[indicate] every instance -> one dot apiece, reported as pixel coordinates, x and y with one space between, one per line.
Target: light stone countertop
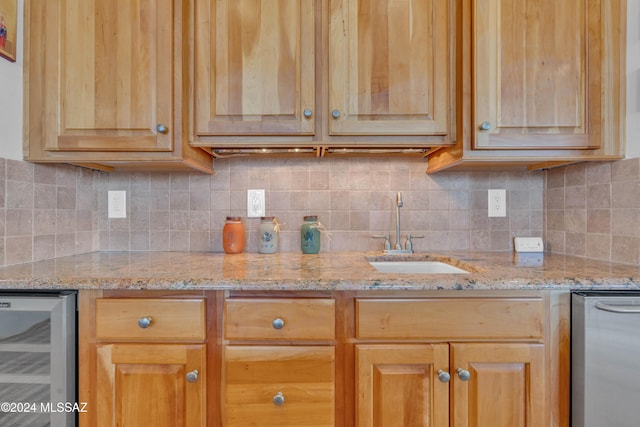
324 271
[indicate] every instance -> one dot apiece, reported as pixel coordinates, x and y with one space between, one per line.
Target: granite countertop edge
346 271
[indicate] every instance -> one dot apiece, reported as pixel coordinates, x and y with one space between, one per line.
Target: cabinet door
255 66
536 75
279 386
151 385
398 385
115 66
505 386
389 65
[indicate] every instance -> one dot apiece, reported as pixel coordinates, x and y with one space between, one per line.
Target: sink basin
416 267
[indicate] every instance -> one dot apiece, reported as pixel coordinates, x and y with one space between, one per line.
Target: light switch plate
528 244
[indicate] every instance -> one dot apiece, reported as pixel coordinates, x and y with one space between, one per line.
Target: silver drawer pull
443 376
628 309
463 374
278 323
278 399
144 322
192 376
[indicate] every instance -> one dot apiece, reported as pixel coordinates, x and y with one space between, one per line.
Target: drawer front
168 319
279 386
280 319
450 318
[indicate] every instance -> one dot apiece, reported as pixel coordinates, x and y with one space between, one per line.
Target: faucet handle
408 244
387 240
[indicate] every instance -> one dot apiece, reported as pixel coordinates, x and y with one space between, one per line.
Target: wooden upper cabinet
389 67
537 76
254 67
105 85
114 73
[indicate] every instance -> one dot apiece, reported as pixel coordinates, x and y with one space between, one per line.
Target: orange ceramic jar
233 235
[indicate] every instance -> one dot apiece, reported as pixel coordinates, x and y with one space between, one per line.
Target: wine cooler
38 359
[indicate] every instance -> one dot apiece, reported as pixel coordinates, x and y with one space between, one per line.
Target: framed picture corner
8 29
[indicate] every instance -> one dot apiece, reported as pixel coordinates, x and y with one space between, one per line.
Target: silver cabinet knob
192 376
485 126
161 128
335 114
308 112
443 376
463 374
278 323
278 399
144 322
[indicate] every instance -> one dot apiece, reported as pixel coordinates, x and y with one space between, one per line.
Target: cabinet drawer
450 318
169 319
280 319
279 386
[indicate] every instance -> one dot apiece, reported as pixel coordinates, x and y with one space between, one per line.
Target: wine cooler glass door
37 360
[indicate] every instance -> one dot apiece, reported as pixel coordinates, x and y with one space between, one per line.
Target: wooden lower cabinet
151 385
144 359
505 385
421 385
279 386
398 385
331 359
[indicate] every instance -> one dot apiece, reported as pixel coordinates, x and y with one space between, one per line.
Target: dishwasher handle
627 309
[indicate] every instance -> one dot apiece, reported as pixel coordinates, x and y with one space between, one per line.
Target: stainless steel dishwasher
605 359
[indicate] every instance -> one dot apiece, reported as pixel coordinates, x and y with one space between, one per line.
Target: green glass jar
310 235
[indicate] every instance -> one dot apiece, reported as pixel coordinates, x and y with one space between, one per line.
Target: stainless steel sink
416 267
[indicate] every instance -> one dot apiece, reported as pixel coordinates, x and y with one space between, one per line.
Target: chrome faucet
397 248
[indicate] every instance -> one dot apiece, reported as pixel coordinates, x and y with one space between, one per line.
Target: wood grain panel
531 73
255 67
68 51
541 57
304 319
389 67
506 388
397 385
153 376
255 374
116 75
171 319
450 318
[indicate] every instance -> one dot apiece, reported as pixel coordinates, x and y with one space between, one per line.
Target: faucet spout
398 246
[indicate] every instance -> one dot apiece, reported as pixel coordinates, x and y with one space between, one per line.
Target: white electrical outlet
528 244
117 204
497 203
255 203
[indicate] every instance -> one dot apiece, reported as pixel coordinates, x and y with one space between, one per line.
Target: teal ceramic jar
310 235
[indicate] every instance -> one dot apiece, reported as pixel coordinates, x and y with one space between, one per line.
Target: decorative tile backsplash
590 210
353 198
593 210
46 211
